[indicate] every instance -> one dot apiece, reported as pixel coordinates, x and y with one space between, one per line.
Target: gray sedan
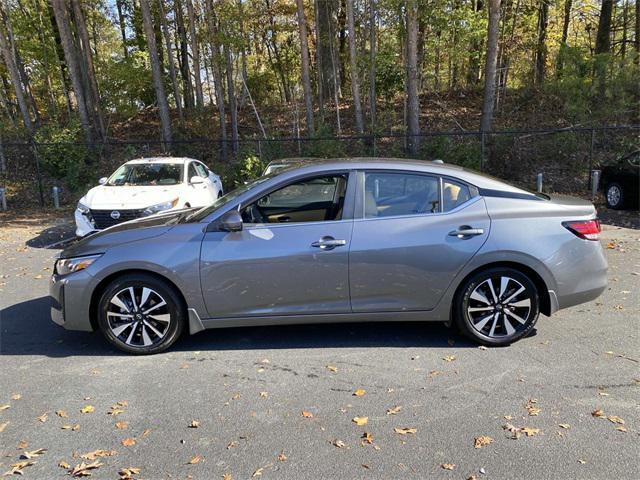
338 241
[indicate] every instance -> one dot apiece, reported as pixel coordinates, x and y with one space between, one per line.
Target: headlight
70 265
83 208
160 207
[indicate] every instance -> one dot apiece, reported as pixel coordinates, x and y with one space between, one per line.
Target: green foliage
60 155
127 84
464 151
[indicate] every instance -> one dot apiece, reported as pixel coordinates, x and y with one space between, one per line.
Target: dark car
621 182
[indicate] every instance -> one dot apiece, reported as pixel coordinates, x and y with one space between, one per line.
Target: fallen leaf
482 441
3 426
566 426
359 392
533 410
73 428
530 432
4 407
331 368
621 429
227 476
307 414
33 453
597 413
338 443
258 472
98 453
482 347
128 442
360 420
195 459
128 473
232 444
405 430
146 433
194 424
582 462
44 417
62 414
16 396
18 467
88 409
122 425
367 438
448 466
394 410
83 470
449 358
282 457
63 464
615 419
22 445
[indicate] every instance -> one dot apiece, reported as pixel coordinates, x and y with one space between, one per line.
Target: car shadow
55 237
26 329
619 218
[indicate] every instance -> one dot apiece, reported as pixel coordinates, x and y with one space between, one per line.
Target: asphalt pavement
349 401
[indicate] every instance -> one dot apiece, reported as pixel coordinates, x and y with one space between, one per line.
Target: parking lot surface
391 400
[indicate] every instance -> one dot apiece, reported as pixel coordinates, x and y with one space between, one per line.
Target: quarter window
393 194
454 194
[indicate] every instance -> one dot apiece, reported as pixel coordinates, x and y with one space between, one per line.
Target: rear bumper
70 301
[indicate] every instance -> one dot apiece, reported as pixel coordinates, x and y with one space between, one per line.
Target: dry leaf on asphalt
615 419
194 424
331 368
282 457
258 472
98 453
367 438
63 464
73 428
4 407
16 396
360 420
621 429
338 443
394 410
530 432
566 426
83 470
307 414
449 358
482 441
88 409
33 453
405 430
62 414
44 417
128 442
195 459
3 426
122 425
227 476
532 409
128 473
597 413
18 467
22 445
359 392
264 394
448 466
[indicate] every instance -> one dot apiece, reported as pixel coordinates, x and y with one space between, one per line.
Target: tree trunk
372 65
306 75
64 77
355 87
566 21
73 65
603 45
172 66
9 60
217 76
91 84
231 95
413 102
123 27
491 63
541 46
163 106
195 52
324 48
184 56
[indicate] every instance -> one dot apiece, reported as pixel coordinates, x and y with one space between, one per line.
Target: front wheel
497 306
614 195
140 314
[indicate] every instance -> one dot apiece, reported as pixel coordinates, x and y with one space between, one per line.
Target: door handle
465 231
328 243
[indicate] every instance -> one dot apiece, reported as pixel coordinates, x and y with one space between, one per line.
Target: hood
126 232
104 197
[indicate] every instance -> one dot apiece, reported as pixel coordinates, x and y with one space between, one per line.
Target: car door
283 266
211 179
199 193
412 234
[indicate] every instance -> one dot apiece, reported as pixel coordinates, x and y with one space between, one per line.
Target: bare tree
355 86
411 63
566 20
195 53
73 65
231 95
183 57
123 26
306 75
603 45
491 62
172 66
163 106
541 46
372 65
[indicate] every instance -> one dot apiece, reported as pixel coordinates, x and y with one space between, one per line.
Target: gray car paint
270 274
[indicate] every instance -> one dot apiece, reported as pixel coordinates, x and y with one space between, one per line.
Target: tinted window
311 200
454 194
391 194
147 174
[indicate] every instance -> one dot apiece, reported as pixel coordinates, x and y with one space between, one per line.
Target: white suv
146 186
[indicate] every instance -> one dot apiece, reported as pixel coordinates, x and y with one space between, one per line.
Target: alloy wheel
613 195
138 316
499 307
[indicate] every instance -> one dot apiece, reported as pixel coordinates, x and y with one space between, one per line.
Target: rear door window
397 194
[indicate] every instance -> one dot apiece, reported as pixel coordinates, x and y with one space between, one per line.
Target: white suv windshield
146 174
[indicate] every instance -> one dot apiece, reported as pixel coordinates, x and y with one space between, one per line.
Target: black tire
492 331
160 290
614 195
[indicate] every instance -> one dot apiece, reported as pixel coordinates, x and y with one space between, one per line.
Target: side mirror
103 180
230 222
196 180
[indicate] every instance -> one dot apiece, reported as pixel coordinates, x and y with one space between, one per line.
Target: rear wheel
614 195
497 306
141 314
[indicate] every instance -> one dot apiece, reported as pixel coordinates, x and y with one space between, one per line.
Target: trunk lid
575 206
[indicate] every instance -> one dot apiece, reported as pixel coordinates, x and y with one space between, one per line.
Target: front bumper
83 226
71 300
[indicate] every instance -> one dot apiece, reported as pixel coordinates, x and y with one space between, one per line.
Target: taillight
587 229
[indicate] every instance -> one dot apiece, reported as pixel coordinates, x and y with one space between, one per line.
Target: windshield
276 167
147 174
222 201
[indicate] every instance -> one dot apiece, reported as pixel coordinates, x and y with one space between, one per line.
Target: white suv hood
104 197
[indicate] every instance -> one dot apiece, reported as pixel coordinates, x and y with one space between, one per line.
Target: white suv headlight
160 207
83 208
74 264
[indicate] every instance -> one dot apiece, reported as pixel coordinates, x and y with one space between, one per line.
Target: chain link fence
565 157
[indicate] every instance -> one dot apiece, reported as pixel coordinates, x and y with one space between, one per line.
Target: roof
160 160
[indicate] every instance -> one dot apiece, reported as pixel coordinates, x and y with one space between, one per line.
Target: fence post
539 183
373 143
595 183
55 193
593 141
3 199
